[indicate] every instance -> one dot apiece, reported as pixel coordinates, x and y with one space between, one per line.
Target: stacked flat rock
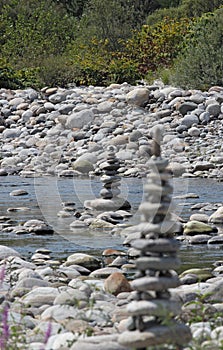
153 312
110 199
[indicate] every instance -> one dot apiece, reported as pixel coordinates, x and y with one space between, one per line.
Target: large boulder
138 96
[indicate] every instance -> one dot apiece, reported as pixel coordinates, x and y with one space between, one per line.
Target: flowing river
45 197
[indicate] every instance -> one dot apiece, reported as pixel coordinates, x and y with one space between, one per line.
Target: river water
45 197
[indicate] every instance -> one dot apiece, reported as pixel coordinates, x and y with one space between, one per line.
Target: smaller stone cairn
110 199
153 311
110 178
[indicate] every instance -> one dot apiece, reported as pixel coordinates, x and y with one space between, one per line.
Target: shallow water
45 196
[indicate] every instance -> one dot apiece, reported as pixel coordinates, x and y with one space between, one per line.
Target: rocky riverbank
80 303
65 132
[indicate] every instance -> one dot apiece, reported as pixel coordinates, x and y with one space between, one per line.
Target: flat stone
40 296
144 284
157 335
157 245
19 192
196 227
157 263
199 239
155 307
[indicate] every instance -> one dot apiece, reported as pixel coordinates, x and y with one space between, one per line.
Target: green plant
200 65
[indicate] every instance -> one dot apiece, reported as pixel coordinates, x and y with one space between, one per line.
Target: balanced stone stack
110 199
153 311
110 178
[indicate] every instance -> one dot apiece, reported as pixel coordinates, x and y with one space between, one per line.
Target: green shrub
156 46
200 64
31 30
57 71
187 9
195 8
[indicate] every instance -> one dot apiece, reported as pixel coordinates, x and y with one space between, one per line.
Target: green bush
30 30
156 46
200 64
195 8
8 77
187 9
57 71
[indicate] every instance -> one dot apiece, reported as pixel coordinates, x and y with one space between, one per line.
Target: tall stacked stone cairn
110 199
153 311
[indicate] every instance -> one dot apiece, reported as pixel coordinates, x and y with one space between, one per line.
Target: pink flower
48 333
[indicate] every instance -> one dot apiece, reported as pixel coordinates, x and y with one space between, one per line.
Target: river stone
5 252
189 120
99 223
79 119
104 107
155 307
61 341
71 297
25 285
215 292
157 263
117 283
14 102
11 133
216 240
175 334
214 109
193 131
199 217
217 216
40 296
3 172
138 96
177 169
83 166
78 224
57 98
100 342
186 107
18 192
195 227
59 312
144 284
202 273
135 136
199 239
204 117
88 261
105 272
202 165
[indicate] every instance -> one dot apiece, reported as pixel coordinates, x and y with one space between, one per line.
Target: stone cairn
110 199
110 177
153 311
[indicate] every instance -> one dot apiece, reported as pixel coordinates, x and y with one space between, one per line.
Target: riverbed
46 195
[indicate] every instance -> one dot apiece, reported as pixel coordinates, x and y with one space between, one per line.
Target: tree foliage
31 30
57 42
200 64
